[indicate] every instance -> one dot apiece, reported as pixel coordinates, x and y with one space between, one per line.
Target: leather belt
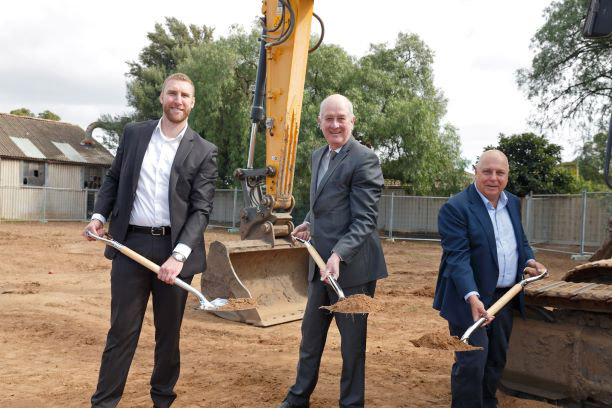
155 231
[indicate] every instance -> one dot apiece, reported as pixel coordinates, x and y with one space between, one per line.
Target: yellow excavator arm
282 64
265 265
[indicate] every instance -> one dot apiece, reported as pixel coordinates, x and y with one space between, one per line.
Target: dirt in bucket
442 341
238 304
355 304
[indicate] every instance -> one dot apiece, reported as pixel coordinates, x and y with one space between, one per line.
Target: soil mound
441 341
355 304
238 304
426 291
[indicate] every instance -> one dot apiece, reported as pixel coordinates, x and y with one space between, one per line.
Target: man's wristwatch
179 257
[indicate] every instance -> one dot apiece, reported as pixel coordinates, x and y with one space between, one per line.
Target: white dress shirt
151 204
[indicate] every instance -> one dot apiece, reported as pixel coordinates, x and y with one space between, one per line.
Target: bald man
485 252
344 191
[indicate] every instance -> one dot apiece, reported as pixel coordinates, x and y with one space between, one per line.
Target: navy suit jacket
469 257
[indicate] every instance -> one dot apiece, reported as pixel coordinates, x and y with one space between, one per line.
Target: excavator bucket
275 276
562 351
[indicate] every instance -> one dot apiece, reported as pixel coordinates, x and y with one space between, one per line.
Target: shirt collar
178 137
503 200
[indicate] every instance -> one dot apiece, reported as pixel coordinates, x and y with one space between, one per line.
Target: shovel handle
135 256
315 255
502 301
322 266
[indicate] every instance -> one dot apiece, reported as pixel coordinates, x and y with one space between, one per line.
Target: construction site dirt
55 313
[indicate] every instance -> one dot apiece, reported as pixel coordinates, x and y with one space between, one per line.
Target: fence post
391 217
584 215
44 209
529 209
234 208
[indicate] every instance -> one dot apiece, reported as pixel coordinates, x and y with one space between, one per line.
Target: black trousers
353 333
131 285
475 375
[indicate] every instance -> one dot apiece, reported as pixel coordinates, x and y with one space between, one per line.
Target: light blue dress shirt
505 241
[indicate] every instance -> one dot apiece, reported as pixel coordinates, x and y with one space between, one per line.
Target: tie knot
332 154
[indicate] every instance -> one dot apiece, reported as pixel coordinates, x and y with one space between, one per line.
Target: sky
70 56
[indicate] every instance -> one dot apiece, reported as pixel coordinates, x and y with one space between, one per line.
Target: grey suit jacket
344 212
191 191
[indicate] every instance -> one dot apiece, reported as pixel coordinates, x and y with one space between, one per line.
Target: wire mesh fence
572 223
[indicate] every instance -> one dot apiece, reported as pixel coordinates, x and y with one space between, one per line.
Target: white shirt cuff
183 250
470 294
98 217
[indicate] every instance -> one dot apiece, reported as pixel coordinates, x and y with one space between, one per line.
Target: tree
534 165
402 113
590 161
23 112
167 48
399 109
47 114
570 77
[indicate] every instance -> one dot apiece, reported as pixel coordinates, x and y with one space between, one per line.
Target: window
33 174
92 177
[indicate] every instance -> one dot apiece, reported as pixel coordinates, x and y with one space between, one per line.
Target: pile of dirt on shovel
441 341
355 304
238 304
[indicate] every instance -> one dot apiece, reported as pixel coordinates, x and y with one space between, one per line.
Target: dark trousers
475 375
353 333
131 285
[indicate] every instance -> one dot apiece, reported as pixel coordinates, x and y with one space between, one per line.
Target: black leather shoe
287 404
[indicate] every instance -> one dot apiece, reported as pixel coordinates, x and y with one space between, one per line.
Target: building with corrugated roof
49 170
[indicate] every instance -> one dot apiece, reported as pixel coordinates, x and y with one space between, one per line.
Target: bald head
336 120
338 100
492 174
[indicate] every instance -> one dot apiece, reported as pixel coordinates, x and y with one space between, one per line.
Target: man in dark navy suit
159 191
485 252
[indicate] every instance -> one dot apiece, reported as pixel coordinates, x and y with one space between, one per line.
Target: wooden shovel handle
315 255
497 306
135 256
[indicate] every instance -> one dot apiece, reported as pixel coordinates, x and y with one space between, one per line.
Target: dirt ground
55 311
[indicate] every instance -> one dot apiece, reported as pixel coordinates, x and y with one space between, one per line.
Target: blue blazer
469 257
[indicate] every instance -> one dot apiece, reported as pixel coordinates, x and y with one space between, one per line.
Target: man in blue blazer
485 252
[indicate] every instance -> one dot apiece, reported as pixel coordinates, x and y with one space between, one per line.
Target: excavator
562 351
265 264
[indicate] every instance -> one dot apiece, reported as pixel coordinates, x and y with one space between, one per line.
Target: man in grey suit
159 191
344 191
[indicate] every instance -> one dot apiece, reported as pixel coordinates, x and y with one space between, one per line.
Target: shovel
497 306
322 266
204 303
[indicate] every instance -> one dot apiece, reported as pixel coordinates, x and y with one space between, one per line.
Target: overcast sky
70 56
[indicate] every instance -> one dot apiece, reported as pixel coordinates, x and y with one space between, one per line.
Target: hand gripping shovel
204 303
497 306
322 266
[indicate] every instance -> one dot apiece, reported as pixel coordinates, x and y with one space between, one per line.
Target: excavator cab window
598 23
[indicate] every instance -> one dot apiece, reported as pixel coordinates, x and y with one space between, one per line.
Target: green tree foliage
570 77
168 46
590 159
534 165
23 112
47 114
399 110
